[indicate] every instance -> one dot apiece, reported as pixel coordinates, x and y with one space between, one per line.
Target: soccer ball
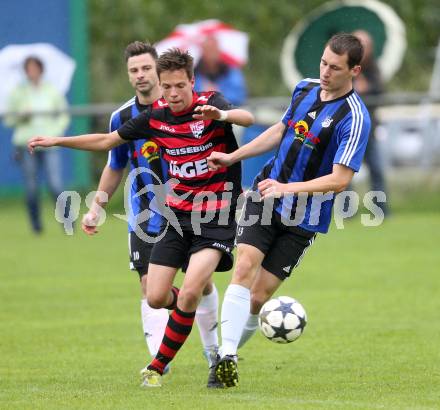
282 320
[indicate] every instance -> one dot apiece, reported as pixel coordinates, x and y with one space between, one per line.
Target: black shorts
174 250
139 252
282 246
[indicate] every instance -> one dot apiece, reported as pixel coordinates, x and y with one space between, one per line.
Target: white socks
154 322
235 311
207 319
249 329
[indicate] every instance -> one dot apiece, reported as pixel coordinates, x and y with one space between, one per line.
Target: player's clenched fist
269 188
218 160
90 222
208 112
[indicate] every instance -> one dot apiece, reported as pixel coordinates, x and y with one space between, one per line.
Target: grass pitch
70 333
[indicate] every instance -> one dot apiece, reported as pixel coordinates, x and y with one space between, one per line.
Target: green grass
70 334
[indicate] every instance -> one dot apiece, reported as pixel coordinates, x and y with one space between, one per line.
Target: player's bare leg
201 266
159 284
159 294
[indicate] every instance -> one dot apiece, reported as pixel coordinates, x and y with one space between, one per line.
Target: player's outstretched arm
87 142
236 116
266 141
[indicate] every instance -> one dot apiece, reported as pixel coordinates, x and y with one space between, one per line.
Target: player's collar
139 106
335 99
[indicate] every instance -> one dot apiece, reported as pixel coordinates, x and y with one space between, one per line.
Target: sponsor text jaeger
189 169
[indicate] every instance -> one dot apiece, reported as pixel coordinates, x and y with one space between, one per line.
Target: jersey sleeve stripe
111 121
131 101
359 129
312 80
355 132
110 129
109 158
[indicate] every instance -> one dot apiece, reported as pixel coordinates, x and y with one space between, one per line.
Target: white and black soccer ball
282 319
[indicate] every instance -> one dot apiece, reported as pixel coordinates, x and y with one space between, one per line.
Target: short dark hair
342 43
35 60
174 59
137 48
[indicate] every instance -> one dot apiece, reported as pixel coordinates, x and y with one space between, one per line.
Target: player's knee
143 282
244 270
156 301
188 298
208 289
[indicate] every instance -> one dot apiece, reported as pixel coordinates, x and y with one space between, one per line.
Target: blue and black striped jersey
318 134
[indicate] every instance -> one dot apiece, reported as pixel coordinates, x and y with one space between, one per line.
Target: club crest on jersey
326 123
197 128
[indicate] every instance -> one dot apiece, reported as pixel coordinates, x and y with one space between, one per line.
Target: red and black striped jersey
186 144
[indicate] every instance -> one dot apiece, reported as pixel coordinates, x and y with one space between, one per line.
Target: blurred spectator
213 74
26 100
369 83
